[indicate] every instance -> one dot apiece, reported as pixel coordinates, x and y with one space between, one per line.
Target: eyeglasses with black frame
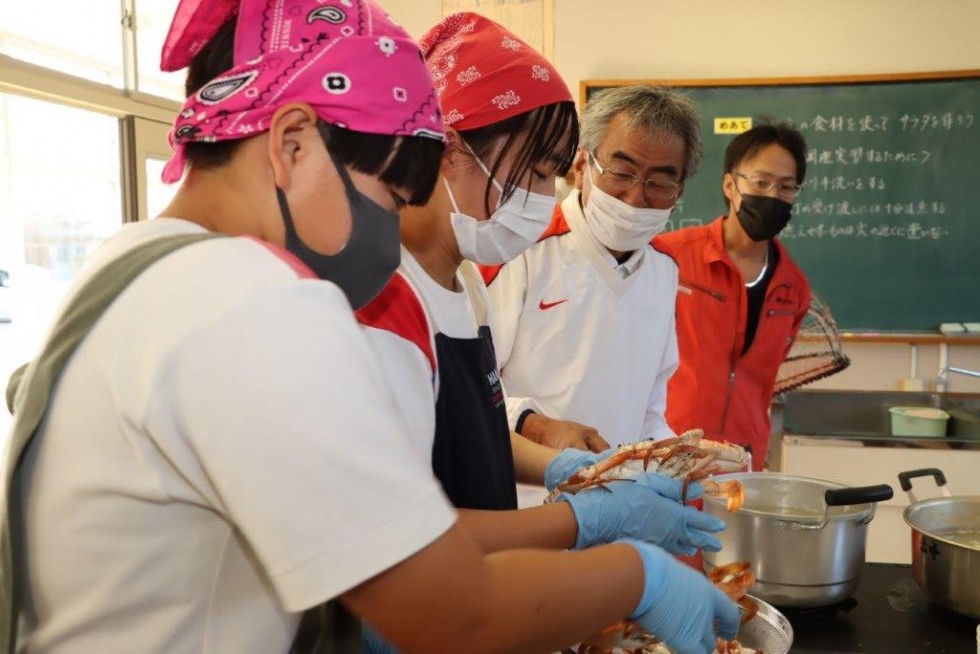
619 181
764 185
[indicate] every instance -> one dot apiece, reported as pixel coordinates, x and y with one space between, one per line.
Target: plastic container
918 421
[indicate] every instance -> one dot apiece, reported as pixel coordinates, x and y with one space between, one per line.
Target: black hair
552 132
747 144
408 162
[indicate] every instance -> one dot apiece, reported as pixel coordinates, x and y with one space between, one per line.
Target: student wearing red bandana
511 130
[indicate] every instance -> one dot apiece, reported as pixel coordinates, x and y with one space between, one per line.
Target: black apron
471 453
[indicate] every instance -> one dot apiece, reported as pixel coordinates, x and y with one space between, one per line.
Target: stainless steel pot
804 536
945 544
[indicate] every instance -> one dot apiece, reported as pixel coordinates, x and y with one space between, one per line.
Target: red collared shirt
716 387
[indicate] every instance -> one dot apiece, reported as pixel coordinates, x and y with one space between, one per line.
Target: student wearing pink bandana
219 453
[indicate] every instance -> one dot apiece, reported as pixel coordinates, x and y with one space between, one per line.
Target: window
60 196
83 39
152 23
84 113
150 151
158 194
91 40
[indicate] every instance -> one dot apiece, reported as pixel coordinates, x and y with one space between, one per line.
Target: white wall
671 39
416 16
716 38
876 367
684 39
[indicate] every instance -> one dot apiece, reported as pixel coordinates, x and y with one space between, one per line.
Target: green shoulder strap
326 629
30 388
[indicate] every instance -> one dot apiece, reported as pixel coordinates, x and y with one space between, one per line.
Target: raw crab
689 457
629 637
723 647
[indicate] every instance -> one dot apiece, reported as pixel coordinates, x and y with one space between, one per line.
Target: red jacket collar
715 250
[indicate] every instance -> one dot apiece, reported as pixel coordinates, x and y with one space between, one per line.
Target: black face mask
372 253
763 217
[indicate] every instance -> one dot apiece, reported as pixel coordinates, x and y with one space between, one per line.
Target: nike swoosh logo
544 306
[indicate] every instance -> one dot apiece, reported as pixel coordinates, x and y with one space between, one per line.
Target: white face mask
618 225
513 227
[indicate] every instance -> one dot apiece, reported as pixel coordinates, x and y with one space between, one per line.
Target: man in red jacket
741 298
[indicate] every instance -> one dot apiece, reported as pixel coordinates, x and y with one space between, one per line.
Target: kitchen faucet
943 378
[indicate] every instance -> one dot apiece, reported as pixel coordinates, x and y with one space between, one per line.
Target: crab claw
732 491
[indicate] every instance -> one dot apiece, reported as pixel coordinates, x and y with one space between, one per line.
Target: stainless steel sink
865 413
964 419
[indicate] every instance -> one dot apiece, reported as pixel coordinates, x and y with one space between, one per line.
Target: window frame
140 121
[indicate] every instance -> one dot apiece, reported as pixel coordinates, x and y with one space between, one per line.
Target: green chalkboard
887 228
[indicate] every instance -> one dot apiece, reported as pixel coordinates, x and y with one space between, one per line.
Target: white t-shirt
581 337
401 325
219 454
450 312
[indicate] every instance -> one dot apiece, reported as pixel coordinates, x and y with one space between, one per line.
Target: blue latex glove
567 462
647 509
373 643
680 605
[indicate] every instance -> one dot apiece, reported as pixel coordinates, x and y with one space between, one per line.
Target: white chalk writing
912 231
866 123
822 207
947 121
841 183
908 122
854 156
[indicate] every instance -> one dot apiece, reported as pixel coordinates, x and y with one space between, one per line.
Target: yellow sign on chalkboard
732 125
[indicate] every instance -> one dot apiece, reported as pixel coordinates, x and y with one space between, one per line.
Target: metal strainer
769 630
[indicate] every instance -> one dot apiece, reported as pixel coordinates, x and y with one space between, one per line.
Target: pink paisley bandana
347 59
484 73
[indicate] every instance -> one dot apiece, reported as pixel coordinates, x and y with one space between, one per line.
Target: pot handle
858 495
905 480
846 496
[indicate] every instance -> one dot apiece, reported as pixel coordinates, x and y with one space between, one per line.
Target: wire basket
768 631
816 352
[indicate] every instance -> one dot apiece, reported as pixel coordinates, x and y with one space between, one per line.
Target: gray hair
653 109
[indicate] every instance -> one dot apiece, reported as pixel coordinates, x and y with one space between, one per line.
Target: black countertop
887 613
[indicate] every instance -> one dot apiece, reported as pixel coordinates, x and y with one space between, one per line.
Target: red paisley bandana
484 73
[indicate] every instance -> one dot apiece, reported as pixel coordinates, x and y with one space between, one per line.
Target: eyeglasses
619 181
762 185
